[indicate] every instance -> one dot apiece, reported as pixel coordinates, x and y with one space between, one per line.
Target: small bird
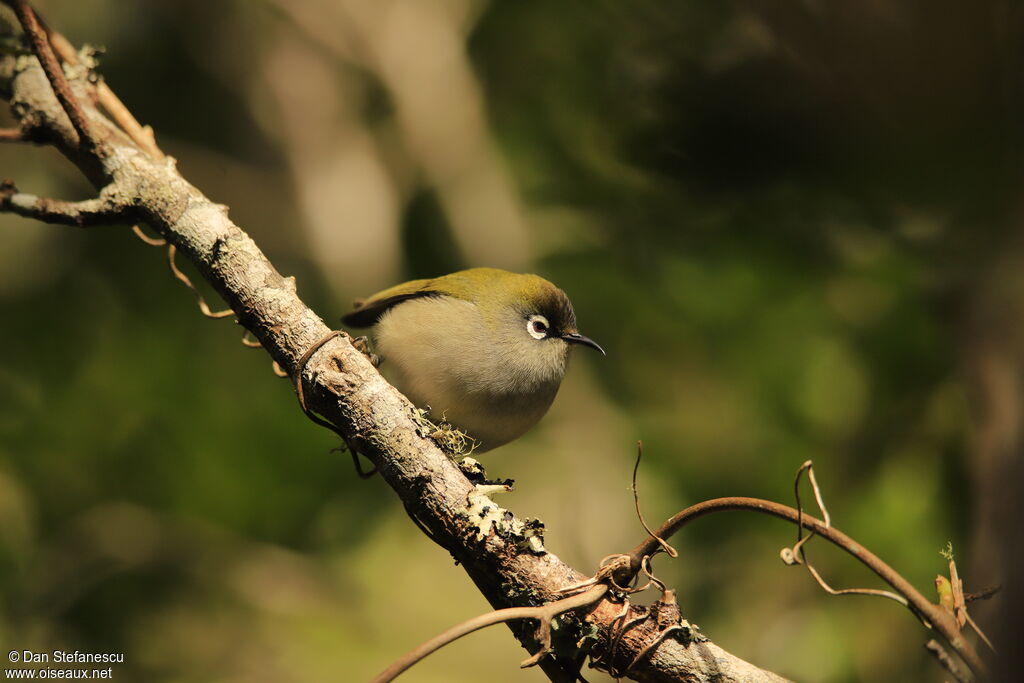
484 349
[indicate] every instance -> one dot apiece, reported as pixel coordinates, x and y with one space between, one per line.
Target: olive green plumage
486 287
484 348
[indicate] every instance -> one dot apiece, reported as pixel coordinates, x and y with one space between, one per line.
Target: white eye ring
537 326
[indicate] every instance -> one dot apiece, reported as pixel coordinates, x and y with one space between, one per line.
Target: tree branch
102 210
504 556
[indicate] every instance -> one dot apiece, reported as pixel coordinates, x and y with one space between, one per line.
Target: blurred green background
795 227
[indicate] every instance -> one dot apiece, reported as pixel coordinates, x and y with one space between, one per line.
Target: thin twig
947 662
669 550
652 646
203 307
54 73
251 342
543 614
141 135
247 339
617 640
151 241
853 591
977 629
808 467
665 605
646 567
940 620
614 634
11 135
608 567
797 555
300 366
982 594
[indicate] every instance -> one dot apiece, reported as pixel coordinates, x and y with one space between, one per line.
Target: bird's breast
440 352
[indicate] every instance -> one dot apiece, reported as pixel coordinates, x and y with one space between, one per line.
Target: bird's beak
577 338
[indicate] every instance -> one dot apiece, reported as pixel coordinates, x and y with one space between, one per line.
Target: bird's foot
362 345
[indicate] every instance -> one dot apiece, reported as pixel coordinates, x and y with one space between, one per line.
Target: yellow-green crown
492 289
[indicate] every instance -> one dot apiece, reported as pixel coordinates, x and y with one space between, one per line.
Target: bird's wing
368 311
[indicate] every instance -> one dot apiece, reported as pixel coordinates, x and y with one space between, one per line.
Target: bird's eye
537 326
